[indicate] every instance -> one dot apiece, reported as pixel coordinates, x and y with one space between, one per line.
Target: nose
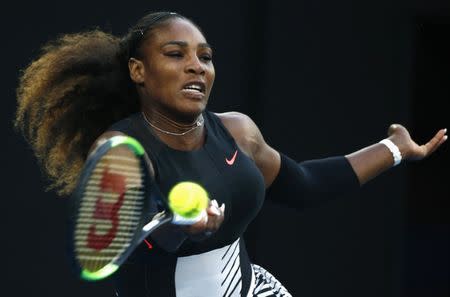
195 66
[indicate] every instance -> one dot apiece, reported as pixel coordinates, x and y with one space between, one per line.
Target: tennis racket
116 206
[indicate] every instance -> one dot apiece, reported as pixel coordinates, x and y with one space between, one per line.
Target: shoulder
243 129
103 138
236 121
250 140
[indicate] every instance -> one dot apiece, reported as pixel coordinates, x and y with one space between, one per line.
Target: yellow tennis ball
188 199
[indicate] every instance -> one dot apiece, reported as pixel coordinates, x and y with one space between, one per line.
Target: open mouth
196 86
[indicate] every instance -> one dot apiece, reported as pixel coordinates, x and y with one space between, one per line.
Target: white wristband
394 150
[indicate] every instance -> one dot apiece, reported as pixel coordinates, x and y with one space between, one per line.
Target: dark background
320 78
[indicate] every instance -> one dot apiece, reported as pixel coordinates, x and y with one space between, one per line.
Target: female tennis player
153 84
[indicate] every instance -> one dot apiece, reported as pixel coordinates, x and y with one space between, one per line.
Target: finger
211 227
203 221
222 216
213 209
216 221
435 142
443 139
198 226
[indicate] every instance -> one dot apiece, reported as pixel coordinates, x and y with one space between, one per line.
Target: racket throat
158 220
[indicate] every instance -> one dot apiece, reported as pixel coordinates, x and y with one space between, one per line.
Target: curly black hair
77 88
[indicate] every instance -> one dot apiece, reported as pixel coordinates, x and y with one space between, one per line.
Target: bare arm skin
250 141
367 162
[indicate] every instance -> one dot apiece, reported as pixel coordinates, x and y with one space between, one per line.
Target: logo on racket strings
110 183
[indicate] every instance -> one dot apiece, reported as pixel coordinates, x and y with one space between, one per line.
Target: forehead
179 30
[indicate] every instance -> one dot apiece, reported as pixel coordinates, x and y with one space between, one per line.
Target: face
176 72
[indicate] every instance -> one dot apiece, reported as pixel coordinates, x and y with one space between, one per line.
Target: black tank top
229 176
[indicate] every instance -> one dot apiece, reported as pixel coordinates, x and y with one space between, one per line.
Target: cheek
211 75
160 77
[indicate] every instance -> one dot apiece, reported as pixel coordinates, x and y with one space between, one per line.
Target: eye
206 57
174 54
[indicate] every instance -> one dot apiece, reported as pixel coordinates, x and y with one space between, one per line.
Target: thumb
392 128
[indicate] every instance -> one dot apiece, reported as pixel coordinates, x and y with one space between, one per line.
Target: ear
136 68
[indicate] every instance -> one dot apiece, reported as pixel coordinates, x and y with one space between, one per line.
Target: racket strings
110 209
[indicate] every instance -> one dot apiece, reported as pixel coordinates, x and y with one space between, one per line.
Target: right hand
209 223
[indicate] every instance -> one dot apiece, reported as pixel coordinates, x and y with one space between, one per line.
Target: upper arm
250 140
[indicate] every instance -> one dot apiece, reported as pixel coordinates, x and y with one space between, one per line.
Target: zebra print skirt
266 285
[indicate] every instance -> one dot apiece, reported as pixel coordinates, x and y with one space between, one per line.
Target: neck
164 124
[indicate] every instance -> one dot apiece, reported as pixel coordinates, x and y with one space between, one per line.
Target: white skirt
217 273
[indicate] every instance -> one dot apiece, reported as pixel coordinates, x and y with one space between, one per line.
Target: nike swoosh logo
231 161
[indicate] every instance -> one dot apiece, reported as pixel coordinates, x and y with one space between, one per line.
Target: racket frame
153 199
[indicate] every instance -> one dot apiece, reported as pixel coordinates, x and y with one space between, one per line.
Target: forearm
370 161
310 183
